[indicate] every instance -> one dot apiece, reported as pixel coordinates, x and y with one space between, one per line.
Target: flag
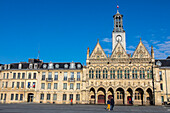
33 85
28 85
117 6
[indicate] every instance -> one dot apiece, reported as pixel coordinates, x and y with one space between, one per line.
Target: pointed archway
101 94
138 96
149 97
92 96
129 96
120 94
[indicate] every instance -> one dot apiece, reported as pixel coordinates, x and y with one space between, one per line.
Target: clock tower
118 34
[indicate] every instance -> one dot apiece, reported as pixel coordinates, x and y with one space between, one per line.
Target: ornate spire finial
140 39
97 40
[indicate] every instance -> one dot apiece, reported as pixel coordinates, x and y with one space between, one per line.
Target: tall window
42 96
12 96
49 75
119 95
142 73
43 76
71 85
7 75
137 95
78 85
42 85
65 76
22 84
49 86
48 96
19 75
2 84
6 85
134 74
29 76
91 74
78 76
23 75
71 96
64 96
55 85
1 96
149 73
13 83
97 73
160 75
4 76
54 96
16 97
5 96
78 97
14 75
34 75
21 96
64 85
161 86
17 84
127 73
72 75
56 76
104 73
112 73
119 74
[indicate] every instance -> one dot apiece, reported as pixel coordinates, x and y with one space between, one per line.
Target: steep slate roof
164 62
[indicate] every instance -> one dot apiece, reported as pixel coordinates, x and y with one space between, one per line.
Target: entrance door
101 99
129 98
30 97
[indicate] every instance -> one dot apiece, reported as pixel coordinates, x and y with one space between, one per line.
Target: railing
49 79
71 80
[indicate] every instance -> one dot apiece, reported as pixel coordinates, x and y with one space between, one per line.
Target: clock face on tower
118 38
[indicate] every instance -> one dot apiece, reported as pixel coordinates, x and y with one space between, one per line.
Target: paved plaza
54 108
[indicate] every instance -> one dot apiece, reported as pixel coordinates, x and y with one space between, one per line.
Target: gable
141 52
119 52
98 52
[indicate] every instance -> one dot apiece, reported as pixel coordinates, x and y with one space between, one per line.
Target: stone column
144 100
96 100
125 98
115 98
133 98
106 98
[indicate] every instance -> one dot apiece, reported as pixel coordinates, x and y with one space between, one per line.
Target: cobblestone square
55 108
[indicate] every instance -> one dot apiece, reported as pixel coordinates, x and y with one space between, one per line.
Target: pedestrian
112 103
108 105
71 101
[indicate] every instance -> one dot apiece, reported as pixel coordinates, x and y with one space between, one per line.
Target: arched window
119 73
98 73
149 73
112 73
91 73
104 73
142 73
134 74
127 73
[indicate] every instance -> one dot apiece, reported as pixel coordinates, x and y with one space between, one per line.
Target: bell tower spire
118 34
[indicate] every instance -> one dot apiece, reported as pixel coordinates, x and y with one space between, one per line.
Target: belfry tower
118 34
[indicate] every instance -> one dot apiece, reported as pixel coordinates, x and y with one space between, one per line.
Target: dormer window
56 66
158 63
0 67
50 66
35 66
5 66
72 65
8 66
66 66
20 66
78 66
30 66
45 66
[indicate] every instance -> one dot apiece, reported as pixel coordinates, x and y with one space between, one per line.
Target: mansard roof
163 62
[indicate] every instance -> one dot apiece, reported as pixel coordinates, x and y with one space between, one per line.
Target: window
1 96
104 73
55 85
17 84
65 76
12 96
42 96
13 83
72 75
7 75
64 96
4 76
149 73
71 85
65 86
91 74
134 74
161 86
33 84
29 84
43 76
162 99
126 73
56 76
54 96
49 86
98 73
119 95
23 75
137 95
78 97
160 75
19 75
119 74
29 76
112 74
48 96
2 84
5 96
78 76
49 75
22 84
16 97
71 96
14 75
42 85
21 96
35 76
6 85
78 85
142 73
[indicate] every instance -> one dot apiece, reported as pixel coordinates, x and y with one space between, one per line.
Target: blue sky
63 29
